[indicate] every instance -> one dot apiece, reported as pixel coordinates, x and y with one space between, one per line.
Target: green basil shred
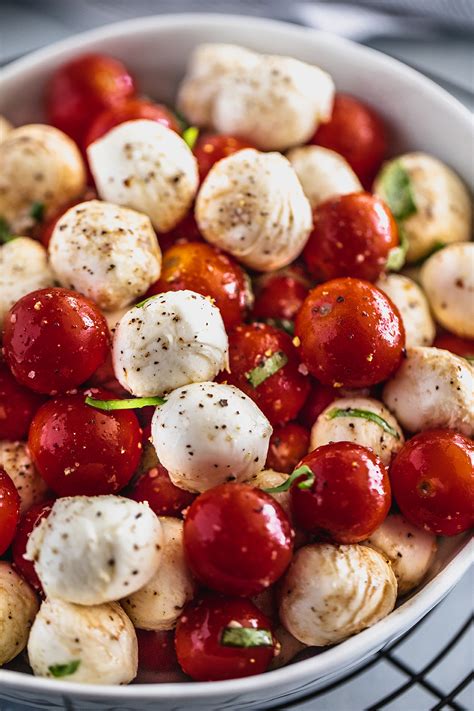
398 191
5 233
127 404
59 670
266 368
397 255
284 324
246 637
37 211
190 136
307 483
365 415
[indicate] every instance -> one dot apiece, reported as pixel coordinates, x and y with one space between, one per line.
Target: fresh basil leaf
300 471
397 255
59 670
5 233
37 211
246 637
397 189
190 136
284 324
365 415
266 368
126 404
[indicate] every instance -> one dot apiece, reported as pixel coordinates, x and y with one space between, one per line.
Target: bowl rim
346 653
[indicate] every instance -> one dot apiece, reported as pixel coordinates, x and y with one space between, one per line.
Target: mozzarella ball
413 306
410 550
173 339
158 604
289 647
275 102
5 128
88 645
432 388
95 549
448 279
148 167
15 459
323 173
443 204
252 205
356 429
268 479
39 164
106 252
207 433
18 607
332 592
24 268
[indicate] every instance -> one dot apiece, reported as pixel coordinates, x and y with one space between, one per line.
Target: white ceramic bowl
420 116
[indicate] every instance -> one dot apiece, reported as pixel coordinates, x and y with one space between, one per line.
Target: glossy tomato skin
282 395
28 522
163 497
54 340
288 445
350 496
156 650
9 510
463 347
17 406
184 232
211 148
320 396
238 540
357 133
198 639
280 295
202 268
82 88
79 450
351 334
433 481
352 236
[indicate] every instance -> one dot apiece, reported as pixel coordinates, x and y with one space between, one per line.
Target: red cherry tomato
279 296
288 445
211 148
352 236
251 348
350 496
186 231
78 449
81 89
156 650
320 396
199 267
460 346
351 334
237 538
198 640
357 133
9 510
17 406
28 522
156 488
54 339
433 481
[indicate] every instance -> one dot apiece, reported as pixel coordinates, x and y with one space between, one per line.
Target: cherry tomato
28 522
199 267
320 396
156 488
252 349
186 231
460 346
199 639
54 339
17 406
237 538
79 450
288 445
351 334
357 133
279 296
350 496
9 510
130 110
81 89
433 481
352 236
211 148
156 650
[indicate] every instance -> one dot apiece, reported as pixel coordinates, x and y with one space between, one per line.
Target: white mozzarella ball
347 427
173 339
24 268
207 433
443 204
106 252
159 603
323 173
5 128
88 645
332 592
448 279
148 167
410 300
252 205
39 164
95 549
15 459
432 388
18 607
410 550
